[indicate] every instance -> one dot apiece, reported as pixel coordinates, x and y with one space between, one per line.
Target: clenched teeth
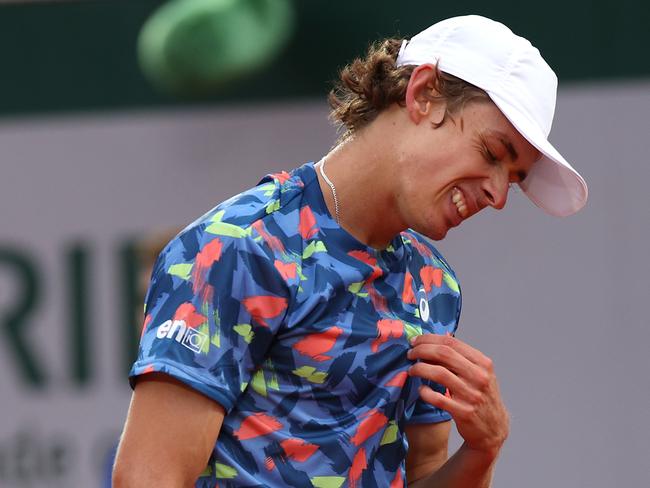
459 201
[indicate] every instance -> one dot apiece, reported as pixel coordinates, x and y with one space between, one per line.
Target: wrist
482 455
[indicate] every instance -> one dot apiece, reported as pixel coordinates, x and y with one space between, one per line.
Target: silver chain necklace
333 188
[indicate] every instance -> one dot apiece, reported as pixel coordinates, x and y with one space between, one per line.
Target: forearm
467 468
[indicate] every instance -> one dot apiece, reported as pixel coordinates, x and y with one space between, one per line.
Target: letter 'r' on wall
15 318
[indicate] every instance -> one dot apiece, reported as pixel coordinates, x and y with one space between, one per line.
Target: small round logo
423 304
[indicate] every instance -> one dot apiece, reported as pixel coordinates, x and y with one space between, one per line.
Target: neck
362 169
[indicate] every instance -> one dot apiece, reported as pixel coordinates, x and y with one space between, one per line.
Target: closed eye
489 157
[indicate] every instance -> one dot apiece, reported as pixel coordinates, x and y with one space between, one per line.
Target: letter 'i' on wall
79 330
15 318
131 303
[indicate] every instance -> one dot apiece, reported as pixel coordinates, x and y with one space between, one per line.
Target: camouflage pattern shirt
266 305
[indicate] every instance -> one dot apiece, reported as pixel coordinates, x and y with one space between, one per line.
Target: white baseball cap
513 73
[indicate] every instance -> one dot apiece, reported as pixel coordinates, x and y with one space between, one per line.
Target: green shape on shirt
225 229
390 434
246 331
356 287
310 374
224 471
228 230
312 248
182 270
273 206
411 330
272 383
268 189
451 283
258 383
327 481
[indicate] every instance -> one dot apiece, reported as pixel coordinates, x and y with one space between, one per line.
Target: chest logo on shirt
423 305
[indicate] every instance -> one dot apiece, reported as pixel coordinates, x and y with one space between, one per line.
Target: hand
474 400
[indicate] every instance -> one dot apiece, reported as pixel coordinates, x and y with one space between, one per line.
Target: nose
495 190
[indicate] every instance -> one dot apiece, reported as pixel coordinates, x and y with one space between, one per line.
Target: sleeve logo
423 304
177 329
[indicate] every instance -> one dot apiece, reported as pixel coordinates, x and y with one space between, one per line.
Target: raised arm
475 403
169 434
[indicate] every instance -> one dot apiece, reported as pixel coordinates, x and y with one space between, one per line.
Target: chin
433 234
438 236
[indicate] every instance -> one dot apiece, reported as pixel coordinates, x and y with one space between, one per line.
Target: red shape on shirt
386 328
373 422
315 345
256 425
264 307
297 449
307 224
188 314
431 276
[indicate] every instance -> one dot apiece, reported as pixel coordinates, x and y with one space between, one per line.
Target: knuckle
474 397
444 352
448 341
437 371
416 370
489 364
482 380
465 414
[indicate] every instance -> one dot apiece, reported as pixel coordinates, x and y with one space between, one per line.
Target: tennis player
302 333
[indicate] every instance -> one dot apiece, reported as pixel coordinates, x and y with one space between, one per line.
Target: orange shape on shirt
205 258
431 276
398 380
315 345
257 425
297 449
386 328
373 422
359 463
188 314
287 270
264 307
307 224
407 293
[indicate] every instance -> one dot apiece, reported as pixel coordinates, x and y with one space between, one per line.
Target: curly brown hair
369 85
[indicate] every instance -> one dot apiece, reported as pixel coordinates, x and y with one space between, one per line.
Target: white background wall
560 304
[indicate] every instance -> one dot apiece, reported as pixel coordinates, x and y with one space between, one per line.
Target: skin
173 456
409 171
412 173
411 176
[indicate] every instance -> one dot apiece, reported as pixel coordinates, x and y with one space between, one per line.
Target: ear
419 96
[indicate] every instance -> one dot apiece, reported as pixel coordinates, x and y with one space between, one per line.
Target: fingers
458 410
451 360
442 376
465 350
475 402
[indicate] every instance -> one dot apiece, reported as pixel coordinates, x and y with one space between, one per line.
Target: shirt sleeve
425 413
213 307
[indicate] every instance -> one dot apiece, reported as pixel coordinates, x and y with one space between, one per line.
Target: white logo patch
192 339
423 304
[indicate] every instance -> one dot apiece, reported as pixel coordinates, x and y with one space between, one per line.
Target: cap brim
552 184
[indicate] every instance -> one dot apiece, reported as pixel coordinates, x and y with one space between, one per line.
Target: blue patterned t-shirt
266 305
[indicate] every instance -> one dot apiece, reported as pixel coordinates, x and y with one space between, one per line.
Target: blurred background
123 121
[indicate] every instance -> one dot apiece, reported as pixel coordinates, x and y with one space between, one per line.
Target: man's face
449 173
